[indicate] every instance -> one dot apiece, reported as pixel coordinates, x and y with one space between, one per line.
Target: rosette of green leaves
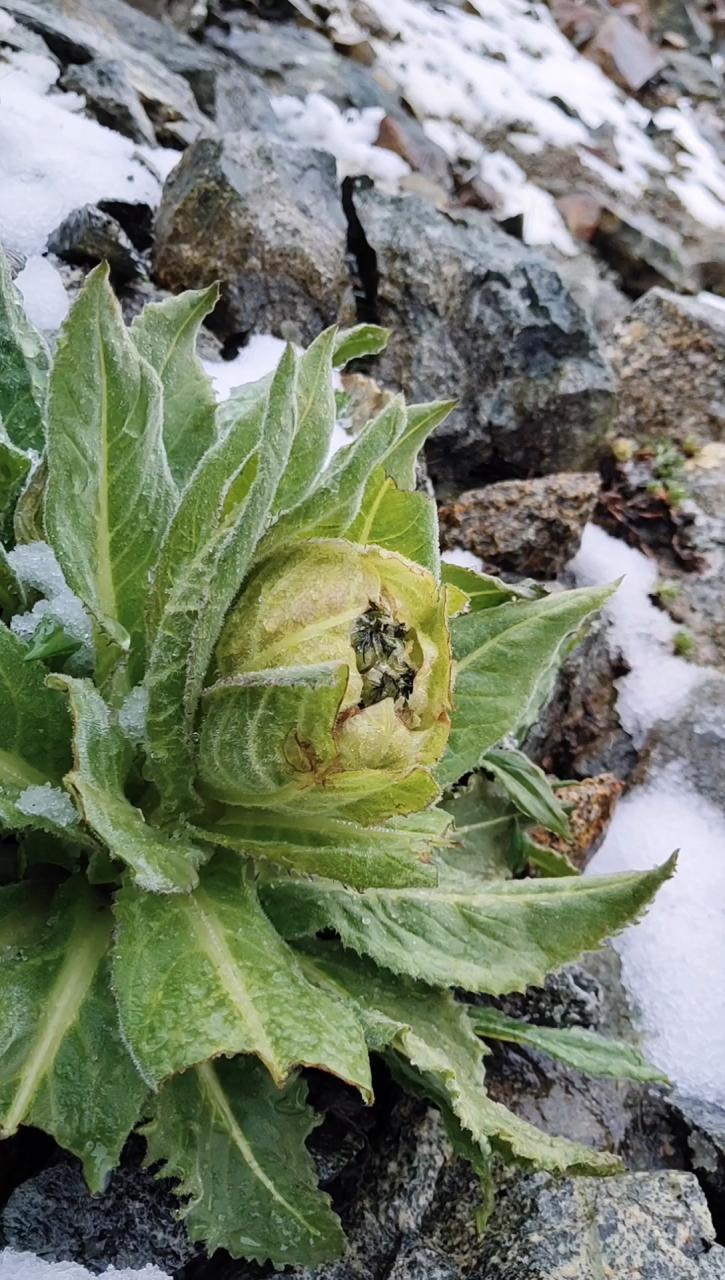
234 682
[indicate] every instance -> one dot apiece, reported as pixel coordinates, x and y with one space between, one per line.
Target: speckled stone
669 356
531 527
648 1226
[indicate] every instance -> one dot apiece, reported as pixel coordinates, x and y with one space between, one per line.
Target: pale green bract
266 713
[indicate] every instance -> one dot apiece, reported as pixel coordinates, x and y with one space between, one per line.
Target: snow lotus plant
238 691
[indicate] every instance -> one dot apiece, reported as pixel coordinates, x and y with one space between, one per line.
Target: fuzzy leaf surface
15 466
23 368
326 845
482 841
110 494
12 592
207 973
165 334
337 498
36 728
361 340
235 1145
160 862
528 787
399 521
208 551
420 421
432 1032
486 591
503 658
315 423
576 1046
502 936
63 1065
255 726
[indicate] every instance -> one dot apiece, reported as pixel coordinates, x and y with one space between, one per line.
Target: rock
187 15
110 97
643 251
579 733
693 742
89 236
669 357
652 1226
593 802
131 1223
365 399
529 527
264 217
478 315
77 31
392 1192
705 1129
285 58
582 212
624 53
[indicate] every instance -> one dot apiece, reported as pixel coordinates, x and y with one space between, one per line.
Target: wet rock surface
128 1225
264 217
528 527
473 308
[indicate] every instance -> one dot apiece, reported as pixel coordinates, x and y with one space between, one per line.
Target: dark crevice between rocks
364 260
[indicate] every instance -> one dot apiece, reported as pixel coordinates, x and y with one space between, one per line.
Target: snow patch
43 293
54 159
37 568
464 559
259 357
132 716
50 802
26 1266
348 135
672 960
507 68
659 682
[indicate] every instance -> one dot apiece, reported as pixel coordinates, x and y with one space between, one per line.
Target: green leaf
165 334
63 1065
399 521
36 728
576 1046
325 845
207 973
23 368
495 937
433 1033
485 591
284 717
315 423
545 861
421 420
235 1145
12 592
337 499
361 340
528 787
161 862
503 658
483 840
110 494
28 523
15 465
208 552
